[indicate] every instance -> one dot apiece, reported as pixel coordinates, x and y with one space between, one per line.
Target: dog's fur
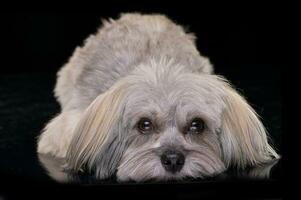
147 66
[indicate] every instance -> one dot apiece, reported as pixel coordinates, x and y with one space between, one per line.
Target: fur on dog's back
117 49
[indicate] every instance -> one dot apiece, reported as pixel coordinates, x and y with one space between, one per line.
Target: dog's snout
172 161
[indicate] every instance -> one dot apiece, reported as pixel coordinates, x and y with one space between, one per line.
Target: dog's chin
165 176
149 168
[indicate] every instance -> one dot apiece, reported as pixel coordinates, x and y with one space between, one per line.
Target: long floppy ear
97 143
243 136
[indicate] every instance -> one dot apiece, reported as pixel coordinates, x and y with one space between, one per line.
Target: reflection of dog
139 99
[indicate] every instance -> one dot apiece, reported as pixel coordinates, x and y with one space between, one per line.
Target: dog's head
162 122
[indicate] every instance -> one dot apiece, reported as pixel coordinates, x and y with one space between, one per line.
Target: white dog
140 101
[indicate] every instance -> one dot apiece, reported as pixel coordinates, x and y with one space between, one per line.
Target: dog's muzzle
172 161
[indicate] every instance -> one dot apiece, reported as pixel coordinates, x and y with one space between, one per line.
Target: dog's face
165 124
174 130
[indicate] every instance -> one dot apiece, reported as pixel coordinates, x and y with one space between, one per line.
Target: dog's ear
97 144
243 137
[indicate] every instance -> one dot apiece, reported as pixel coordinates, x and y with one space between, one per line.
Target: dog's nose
172 161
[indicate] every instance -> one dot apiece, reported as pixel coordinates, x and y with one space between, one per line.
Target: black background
241 43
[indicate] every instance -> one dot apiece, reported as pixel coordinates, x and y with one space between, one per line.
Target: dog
138 100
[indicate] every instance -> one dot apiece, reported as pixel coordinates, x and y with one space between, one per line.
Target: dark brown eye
145 125
196 126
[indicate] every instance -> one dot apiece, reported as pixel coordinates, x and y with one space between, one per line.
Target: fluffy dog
140 101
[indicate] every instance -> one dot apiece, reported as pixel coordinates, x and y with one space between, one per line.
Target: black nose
172 161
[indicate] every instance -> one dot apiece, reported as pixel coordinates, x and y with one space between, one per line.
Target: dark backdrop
242 45
44 41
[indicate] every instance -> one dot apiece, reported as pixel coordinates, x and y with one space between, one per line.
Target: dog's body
145 67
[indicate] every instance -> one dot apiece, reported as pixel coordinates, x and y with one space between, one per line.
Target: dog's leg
58 133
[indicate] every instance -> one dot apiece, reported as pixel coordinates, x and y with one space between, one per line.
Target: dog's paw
48 145
53 140
57 135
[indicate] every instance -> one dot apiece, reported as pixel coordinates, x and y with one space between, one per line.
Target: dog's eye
145 125
196 126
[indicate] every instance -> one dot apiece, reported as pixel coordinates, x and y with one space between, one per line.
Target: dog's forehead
181 94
